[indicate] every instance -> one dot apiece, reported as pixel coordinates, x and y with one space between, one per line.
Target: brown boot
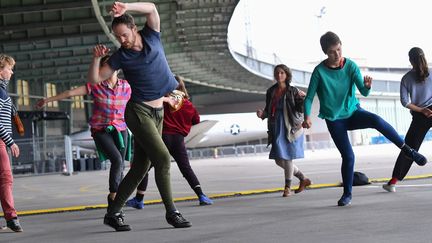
286 192
303 184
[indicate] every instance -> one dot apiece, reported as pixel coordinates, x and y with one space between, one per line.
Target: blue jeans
358 120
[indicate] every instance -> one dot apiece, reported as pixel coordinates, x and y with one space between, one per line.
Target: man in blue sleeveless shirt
143 61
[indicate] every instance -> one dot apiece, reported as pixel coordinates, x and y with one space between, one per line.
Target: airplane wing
198 132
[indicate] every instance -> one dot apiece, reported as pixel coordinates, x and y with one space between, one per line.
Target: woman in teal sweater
335 80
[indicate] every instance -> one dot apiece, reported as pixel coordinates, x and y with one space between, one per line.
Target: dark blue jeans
358 120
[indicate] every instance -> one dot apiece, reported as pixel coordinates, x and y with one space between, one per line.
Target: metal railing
39 156
247 150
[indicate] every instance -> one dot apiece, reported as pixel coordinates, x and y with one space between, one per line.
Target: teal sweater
336 90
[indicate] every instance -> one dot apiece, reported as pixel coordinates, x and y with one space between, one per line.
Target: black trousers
176 146
417 131
106 142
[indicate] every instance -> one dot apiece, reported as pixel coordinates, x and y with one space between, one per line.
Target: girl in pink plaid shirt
109 102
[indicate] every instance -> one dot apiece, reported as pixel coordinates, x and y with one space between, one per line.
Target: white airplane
232 128
213 130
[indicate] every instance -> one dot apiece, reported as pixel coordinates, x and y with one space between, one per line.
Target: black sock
197 189
139 196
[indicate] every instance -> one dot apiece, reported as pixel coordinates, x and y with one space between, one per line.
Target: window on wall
23 93
51 90
77 101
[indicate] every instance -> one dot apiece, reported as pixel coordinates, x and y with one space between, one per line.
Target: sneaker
176 219
303 184
116 221
416 157
389 187
135 203
14 225
204 200
344 201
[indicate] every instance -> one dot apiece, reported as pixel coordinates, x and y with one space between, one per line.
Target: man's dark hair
329 39
125 19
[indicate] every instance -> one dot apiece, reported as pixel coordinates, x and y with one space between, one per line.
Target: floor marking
222 195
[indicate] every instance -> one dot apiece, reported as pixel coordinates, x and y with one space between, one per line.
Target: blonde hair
6 60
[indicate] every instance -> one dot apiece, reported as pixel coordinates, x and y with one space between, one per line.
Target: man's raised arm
146 8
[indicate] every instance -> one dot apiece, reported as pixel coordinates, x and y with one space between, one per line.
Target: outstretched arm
81 90
146 8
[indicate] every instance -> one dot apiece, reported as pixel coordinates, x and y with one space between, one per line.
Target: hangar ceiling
52 41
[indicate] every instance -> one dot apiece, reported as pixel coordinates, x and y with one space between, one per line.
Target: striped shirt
109 104
5 115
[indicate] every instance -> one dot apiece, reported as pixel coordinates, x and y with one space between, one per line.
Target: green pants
146 123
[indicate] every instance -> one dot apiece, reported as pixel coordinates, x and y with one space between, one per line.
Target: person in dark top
142 60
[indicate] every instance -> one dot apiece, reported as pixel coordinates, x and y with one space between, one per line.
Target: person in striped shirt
6 198
108 126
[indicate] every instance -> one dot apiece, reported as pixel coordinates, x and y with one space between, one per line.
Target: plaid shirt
109 104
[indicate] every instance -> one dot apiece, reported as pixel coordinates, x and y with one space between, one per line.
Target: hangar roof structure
52 41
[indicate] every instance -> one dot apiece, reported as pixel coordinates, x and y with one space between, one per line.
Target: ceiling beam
48 24
23 9
32 40
56 49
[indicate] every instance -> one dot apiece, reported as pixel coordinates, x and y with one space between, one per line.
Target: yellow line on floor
417 177
221 195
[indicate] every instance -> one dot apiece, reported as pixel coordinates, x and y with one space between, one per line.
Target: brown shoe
303 184
286 192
